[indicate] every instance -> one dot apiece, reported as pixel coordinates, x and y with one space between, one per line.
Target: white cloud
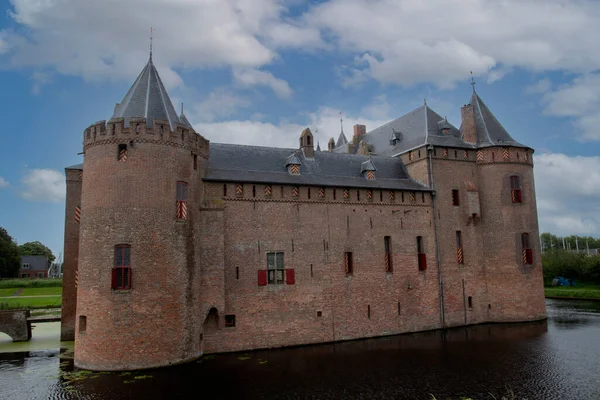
567 190
220 103
440 41
324 123
580 100
102 39
254 77
541 86
46 185
3 183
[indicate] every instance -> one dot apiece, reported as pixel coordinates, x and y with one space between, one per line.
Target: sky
260 71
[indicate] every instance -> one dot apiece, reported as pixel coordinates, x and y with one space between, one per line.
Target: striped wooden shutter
505 154
77 214
123 155
321 192
295 191
268 190
239 189
480 156
370 194
370 175
181 209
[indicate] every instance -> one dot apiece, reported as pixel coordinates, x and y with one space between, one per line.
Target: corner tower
138 287
509 234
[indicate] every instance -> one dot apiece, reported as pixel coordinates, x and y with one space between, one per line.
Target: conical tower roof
490 131
148 98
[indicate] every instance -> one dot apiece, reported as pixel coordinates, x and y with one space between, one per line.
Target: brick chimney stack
468 127
359 130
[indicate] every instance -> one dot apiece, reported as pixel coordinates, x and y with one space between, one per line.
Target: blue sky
259 71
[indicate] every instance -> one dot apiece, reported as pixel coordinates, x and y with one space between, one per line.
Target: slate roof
490 131
76 166
414 129
255 164
424 126
148 98
36 263
341 140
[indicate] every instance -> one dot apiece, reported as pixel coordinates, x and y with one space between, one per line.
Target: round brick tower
137 279
509 220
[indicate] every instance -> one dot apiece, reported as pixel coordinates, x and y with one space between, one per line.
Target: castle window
527 252
455 154
348 263
230 321
346 194
308 193
322 192
275 268
82 323
195 161
121 273
370 194
224 190
419 153
515 189
392 196
455 198
239 190
295 191
421 256
308 140
358 195
422 197
182 197
459 248
26 266
137 128
388 254
253 190
334 194
470 301
122 152
410 156
268 190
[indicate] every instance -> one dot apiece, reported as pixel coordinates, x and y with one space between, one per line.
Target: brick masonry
188 275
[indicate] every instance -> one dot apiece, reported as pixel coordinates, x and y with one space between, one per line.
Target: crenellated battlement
142 131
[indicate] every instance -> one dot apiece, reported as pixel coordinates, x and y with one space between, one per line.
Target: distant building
34 267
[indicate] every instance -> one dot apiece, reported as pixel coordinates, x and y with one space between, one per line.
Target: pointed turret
318 147
480 126
341 140
148 98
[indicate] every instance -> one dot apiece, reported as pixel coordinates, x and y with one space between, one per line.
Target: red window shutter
290 276
113 282
529 256
262 277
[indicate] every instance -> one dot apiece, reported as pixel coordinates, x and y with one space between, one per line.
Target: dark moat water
557 359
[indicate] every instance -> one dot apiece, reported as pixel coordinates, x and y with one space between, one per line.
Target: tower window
122 152
515 189
121 273
387 245
348 263
421 256
455 198
526 250
470 301
224 190
182 199
459 248
195 161
308 140
82 323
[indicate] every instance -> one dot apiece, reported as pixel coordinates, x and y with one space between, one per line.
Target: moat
554 359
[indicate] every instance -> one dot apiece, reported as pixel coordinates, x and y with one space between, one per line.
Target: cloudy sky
259 71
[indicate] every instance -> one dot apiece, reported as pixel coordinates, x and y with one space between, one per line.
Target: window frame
460 258
348 263
526 250
275 268
421 255
516 192
181 200
387 246
121 267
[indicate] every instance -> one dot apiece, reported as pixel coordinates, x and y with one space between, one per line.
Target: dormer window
293 165
367 170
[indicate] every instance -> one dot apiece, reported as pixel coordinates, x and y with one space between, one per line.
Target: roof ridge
487 132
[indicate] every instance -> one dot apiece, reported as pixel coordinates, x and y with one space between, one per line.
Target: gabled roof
414 129
292 160
367 166
148 98
239 163
341 140
490 131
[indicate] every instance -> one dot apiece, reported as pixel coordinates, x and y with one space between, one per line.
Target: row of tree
578 266
573 242
10 254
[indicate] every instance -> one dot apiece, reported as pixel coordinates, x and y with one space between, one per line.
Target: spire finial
472 81
182 108
342 120
424 101
151 31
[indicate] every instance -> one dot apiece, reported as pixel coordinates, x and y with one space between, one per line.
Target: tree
10 261
36 249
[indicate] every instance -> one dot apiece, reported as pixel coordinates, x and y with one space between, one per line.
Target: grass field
29 283
582 290
51 297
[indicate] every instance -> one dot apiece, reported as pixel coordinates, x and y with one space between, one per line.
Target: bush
580 267
30 283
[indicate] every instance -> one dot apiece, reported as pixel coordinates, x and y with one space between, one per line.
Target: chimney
306 143
468 128
359 130
331 145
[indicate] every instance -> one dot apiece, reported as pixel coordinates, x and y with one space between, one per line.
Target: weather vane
151 31
472 80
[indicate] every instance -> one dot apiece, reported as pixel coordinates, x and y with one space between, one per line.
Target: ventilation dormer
367 170
293 165
395 137
444 126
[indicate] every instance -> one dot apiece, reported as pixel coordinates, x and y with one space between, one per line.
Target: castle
177 247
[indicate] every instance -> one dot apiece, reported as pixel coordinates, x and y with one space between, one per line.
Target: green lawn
31 302
7 292
583 290
43 291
